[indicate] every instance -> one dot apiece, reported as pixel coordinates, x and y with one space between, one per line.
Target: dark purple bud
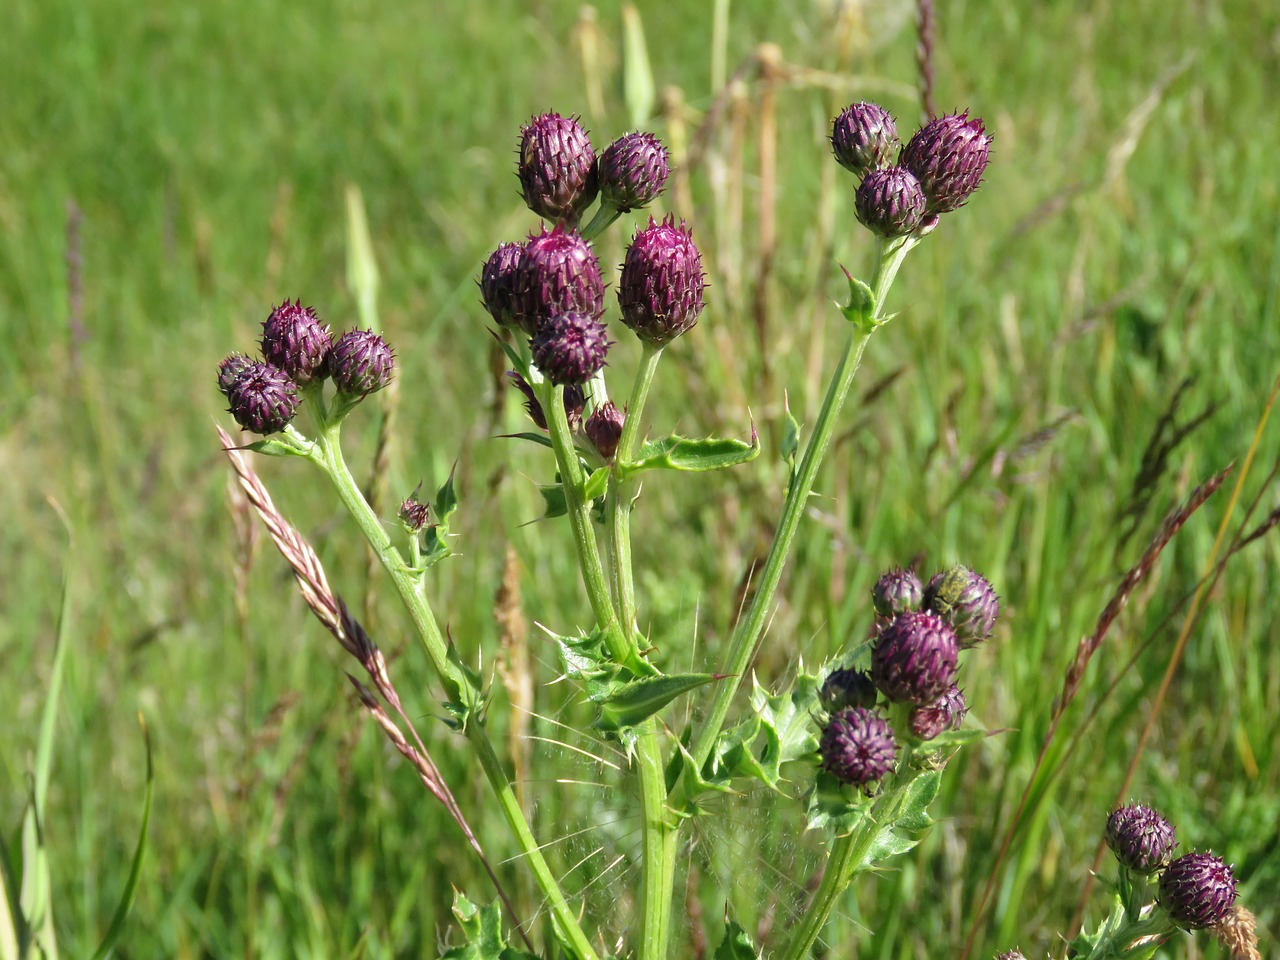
633 171
857 746
296 341
570 348
604 429
896 592
864 138
263 399
945 713
1198 890
914 659
574 402
965 600
557 273
847 688
498 283
890 202
361 363
948 156
1010 955
229 370
557 167
661 286
414 513
1141 839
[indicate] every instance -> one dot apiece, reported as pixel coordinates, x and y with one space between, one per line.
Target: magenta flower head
229 370
660 290
361 364
846 687
570 349
864 138
633 171
296 341
557 273
574 402
1198 890
965 600
263 399
914 659
948 156
1141 839
945 713
890 202
604 429
857 746
557 167
498 283
897 592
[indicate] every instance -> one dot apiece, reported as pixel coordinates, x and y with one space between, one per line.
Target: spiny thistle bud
914 659
229 370
263 399
574 402
296 341
890 202
633 171
965 600
498 283
604 428
362 363
557 273
660 289
948 156
1197 890
896 592
1010 955
414 513
945 713
857 746
1141 839
557 167
570 348
863 138
847 688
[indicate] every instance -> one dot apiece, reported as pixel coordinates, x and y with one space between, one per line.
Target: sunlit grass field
168 172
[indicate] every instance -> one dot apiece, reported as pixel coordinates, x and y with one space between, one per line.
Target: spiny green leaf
682 454
541 439
861 308
595 484
553 501
790 437
446 501
638 700
736 945
483 929
274 447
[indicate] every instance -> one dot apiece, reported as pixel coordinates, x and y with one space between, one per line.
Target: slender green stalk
603 219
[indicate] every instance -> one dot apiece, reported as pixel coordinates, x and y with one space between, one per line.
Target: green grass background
207 148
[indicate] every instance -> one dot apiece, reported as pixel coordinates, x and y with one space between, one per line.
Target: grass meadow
1095 334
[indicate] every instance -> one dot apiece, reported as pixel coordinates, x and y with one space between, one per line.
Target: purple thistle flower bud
557 167
914 658
945 713
362 363
570 348
864 137
557 273
1198 890
604 428
965 600
857 746
498 283
263 399
633 171
660 290
296 341
574 402
1010 955
414 513
948 156
847 688
1141 839
890 202
897 592
229 370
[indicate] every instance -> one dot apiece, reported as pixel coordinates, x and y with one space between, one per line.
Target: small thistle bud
948 156
1141 839
864 138
263 399
498 283
296 341
557 167
1010 955
914 659
660 289
857 746
1198 890
965 600
890 202
847 688
361 364
574 402
414 513
570 348
557 273
945 713
229 370
633 171
896 592
604 429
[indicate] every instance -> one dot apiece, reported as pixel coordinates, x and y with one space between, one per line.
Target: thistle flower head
857 746
498 283
296 341
660 290
966 601
557 273
897 591
946 712
914 658
890 202
574 402
1010 955
414 513
604 429
263 399
229 370
845 687
361 363
557 167
948 156
570 348
863 138
633 171
1141 839
1197 890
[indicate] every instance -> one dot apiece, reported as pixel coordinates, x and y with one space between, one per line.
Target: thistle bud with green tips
1197 890
965 600
557 167
263 399
897 591
890 202
571 348
362 363
857 746
660 290
229 370
914 659
948 156
633 171
557 273
864 138
846 687
297 342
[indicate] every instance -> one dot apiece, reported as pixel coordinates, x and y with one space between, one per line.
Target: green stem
603 219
